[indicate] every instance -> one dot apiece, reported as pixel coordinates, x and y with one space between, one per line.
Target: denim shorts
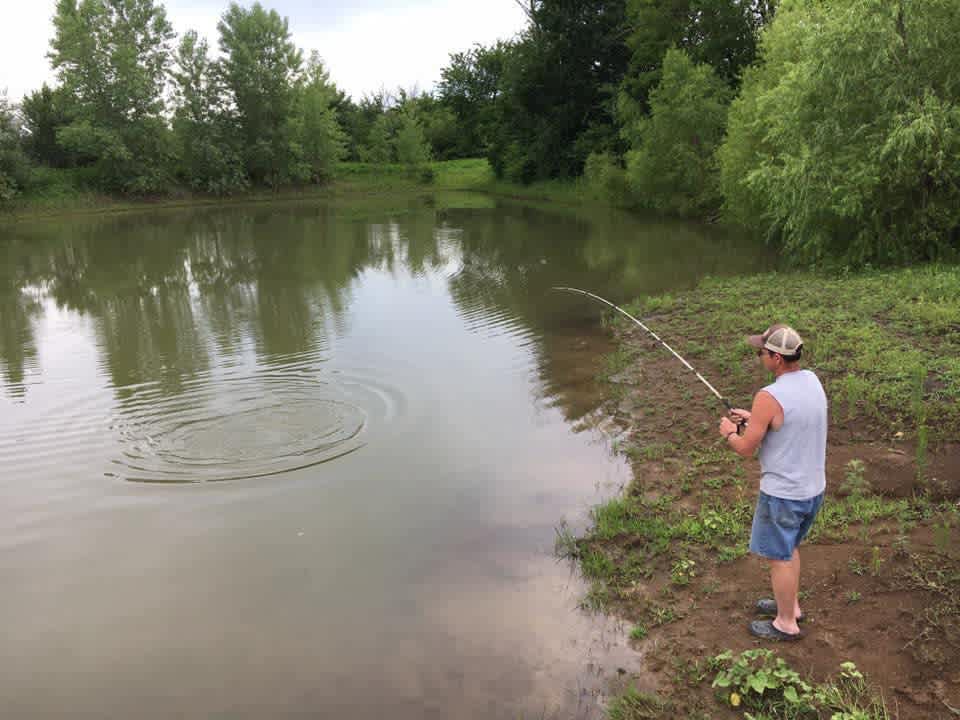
780 525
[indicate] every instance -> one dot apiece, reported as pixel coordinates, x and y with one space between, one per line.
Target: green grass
636 705
65 192
885 343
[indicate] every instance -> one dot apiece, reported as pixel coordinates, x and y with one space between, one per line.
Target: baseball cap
778 338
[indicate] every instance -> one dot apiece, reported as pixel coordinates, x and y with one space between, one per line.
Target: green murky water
307 459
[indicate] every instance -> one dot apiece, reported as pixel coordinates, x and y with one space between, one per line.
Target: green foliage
322 142
261 69
854 482
14 166
554 103
607 179
112 58
203 126
468 86
843 141
671 167
683 571
379 147
720 33
759 680
411 145
44 112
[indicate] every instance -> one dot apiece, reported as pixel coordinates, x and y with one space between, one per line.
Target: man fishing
788 423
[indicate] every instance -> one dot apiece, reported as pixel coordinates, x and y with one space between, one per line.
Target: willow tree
844 141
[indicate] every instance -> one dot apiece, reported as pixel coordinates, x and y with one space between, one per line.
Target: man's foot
768 606
766 630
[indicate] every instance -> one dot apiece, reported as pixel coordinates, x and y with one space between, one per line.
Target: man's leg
785 578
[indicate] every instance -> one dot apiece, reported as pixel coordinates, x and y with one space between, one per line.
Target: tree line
830 126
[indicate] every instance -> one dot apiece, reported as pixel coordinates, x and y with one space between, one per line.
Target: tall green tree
262 68
412 148
554 105
468 87
112 59
378 147
720 33
673 166
204 126
844 141
322 142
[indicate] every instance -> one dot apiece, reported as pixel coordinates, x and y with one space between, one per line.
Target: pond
309 458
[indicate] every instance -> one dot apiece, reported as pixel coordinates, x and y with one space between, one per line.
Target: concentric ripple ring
236 428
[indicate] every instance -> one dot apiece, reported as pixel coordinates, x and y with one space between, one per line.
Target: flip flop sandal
765 630
768 606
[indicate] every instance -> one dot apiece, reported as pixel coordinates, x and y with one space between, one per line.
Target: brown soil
890 623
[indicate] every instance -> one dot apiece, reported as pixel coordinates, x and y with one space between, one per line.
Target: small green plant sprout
663 615
639 632
854 482
942 531
875 562
853 597
856 567
683 571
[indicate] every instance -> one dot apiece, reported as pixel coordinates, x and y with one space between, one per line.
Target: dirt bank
881 571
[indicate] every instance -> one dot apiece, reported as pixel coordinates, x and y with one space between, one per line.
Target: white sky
366 44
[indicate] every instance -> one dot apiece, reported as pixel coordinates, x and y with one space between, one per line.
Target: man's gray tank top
793 458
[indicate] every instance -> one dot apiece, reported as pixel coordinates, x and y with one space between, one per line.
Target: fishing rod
656 337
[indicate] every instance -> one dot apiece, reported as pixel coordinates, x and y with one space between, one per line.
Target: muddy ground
878 588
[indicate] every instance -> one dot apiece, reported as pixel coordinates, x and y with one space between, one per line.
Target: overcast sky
366 44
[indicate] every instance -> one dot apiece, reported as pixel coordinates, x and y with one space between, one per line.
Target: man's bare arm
765 409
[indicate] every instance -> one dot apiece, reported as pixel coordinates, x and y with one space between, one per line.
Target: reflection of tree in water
512 257
18 308
173 294
168 290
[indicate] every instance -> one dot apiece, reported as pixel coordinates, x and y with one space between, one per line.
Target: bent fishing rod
656 337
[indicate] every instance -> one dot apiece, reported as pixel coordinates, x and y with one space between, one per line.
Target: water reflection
402 383
168 290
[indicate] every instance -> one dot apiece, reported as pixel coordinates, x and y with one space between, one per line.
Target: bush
606 179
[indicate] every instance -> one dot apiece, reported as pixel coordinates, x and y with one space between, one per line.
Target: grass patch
886 344
636 705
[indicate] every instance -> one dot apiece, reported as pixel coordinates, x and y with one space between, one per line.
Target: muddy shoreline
880 572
